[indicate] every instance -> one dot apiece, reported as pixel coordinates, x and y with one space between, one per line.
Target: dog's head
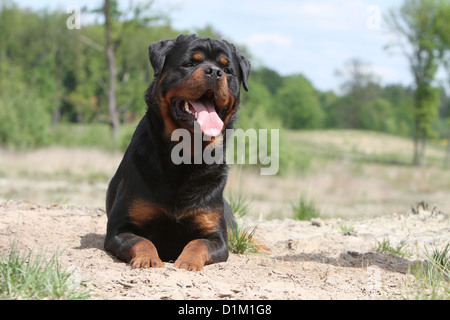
197 79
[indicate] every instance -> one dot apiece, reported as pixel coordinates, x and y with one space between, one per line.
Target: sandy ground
309 261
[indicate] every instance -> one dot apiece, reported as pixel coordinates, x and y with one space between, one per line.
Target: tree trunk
416 151
447 156
447 153
112 73
420 142
423 144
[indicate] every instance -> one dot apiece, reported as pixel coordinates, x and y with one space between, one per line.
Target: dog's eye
188 65
227 70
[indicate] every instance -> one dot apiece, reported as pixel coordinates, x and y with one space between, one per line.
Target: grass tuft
431 278
348 230
32 276
441 259
240 240
305 210
399 250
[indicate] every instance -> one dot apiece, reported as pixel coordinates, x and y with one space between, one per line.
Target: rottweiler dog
159 210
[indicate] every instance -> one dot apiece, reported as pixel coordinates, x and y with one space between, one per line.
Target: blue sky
311 37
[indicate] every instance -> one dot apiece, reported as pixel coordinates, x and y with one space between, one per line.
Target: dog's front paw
189 263
144 262
144 255
194 256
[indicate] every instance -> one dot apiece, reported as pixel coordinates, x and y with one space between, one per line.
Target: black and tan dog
160 211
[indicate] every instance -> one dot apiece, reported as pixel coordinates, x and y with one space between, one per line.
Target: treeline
52 75
363 104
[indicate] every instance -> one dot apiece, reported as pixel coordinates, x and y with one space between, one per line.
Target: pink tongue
207 117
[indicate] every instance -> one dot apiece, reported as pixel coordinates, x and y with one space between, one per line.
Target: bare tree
112 70
361 86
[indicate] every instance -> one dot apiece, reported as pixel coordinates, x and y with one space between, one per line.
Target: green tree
360 87
378 116
26 92
416 23
85 87
327 99
256 105
24 115
401 100
270 78
297 103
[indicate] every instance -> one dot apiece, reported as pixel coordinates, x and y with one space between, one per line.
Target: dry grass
351 173
57 161
355 142
57 174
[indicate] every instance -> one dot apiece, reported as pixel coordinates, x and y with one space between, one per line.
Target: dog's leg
200 252
138 251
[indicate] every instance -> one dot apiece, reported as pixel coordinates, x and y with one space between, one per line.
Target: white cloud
385 72
325 15
269 38
319 9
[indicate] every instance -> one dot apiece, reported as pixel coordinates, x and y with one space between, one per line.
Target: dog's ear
157 53
244 66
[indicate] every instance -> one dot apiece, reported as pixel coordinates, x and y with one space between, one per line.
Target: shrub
24 120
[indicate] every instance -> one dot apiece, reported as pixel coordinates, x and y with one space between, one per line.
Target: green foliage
258 109
32 276
270 79
401 101
24 119
52 78
298 104
377 115
72 135
441 259
63 72
426 109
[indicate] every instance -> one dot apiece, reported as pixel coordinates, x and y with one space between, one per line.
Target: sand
308 261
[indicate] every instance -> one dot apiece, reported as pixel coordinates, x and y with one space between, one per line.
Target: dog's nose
213 72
